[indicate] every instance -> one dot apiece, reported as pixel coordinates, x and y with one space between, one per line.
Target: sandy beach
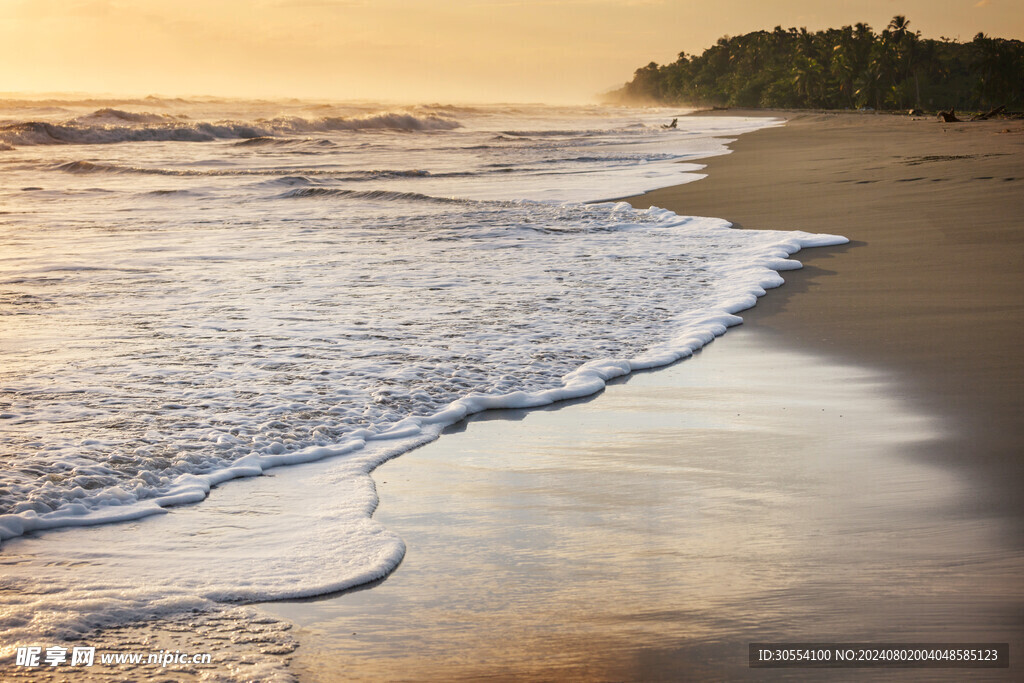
842 467
929 287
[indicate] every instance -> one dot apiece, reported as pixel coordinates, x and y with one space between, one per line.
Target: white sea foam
177 316
324 540
475 340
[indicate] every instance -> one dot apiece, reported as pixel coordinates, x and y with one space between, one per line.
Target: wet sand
752 493
843 467
930 288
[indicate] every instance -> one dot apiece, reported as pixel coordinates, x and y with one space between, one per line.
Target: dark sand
649 534
843 467
930 288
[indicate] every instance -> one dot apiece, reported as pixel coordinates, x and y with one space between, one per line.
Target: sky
406 51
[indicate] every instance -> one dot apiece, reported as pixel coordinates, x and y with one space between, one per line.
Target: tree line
846 68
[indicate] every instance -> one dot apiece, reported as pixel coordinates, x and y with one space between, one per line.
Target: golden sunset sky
410 50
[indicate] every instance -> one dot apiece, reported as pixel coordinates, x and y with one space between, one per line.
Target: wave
288 181
570 133
386 121
31 133
90 167
85 167
610 159
109 126
264 140
382 195
117 169
449 108
119 116
172 193
267 141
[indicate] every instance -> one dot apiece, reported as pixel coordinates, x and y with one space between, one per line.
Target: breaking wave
119 116
108 126
31 133
386 121
86 167
267 141
380 195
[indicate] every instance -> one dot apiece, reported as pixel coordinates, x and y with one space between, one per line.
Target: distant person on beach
671 125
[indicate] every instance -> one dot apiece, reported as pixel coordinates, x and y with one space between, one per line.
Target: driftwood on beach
989 114
950 116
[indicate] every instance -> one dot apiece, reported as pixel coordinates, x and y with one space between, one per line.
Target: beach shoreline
904 533
928 289
806 478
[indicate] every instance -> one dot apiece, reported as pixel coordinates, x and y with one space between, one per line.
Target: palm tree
904 43
843 65
808 79
900 26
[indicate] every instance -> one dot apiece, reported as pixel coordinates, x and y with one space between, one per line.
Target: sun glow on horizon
555 51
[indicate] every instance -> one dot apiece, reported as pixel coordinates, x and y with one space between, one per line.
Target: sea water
198 291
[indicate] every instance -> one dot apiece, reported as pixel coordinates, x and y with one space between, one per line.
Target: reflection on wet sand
651 533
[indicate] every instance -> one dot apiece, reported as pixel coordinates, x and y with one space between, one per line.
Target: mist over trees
845 68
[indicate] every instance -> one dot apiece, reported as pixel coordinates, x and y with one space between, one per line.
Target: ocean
198 291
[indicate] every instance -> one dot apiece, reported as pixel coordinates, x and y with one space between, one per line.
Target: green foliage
848 67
